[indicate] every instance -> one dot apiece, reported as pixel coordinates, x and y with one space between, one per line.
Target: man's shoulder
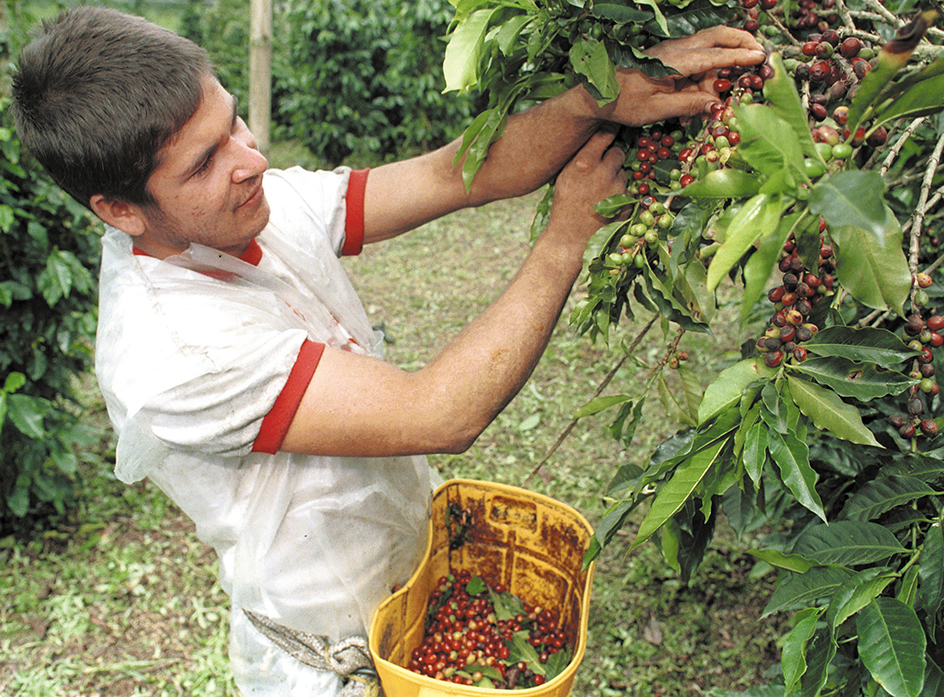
305 183
307 207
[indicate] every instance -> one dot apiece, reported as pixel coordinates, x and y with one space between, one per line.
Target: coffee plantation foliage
365 78
48 261
810 199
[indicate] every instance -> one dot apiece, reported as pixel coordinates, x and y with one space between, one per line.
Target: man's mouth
253 199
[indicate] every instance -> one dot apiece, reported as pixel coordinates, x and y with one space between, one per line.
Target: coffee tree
811 198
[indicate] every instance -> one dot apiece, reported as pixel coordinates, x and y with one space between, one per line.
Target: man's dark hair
98 93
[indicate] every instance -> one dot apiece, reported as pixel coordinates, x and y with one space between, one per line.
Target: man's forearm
535 145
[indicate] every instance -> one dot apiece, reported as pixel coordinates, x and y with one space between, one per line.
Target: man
238 366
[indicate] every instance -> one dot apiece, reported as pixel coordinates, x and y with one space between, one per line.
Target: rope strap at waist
349 657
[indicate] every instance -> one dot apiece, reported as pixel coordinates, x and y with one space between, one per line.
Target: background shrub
363 78
48 255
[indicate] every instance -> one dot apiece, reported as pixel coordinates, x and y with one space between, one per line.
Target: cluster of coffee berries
752 10
650 217
654 159
812 15
468 644
677 359
832 66
793 299
923 336
719 138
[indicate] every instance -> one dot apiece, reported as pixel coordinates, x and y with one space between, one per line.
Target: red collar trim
252 255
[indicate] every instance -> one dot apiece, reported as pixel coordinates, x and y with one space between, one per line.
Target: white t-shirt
192 354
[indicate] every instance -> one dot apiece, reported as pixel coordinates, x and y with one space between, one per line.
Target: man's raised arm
355 405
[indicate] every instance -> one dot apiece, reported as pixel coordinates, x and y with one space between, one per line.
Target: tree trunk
260 72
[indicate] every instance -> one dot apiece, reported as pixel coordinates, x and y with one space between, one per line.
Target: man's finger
685 103
599 142
707 59
721 36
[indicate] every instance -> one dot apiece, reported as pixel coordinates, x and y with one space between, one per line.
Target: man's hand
697 58
595 173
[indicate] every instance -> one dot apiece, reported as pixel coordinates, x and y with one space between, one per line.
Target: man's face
208 186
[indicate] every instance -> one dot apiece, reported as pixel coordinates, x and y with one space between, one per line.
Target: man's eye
204 166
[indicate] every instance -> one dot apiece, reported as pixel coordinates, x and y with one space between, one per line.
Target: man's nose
251 162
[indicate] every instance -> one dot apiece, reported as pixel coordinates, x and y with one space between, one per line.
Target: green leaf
933 681
928 467
820 652
931 570
852 198
600 241
623 428
874 271
674 493
862 381
612 521
770 145
589 58
757 218
907 589
892 645
781 93
692 285
672 407
475 586
800 590
867 345
626 476
724 183
508 33
506 604
613 205
754 454
26 413
621 14
14 381
828 412
18 499
891 59
881 495
557 662
484 130
671 305
6 218
691 390
598 404
793 656
55 281
774 412
926 97
792 457
848 543
521 650
464 51
689 20
760 265
856 593
783 560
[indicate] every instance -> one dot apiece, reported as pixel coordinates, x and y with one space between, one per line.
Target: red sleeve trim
354 221
276 422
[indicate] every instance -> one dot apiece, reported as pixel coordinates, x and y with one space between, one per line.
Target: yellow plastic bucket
529 543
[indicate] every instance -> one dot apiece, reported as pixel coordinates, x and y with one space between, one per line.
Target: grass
121 598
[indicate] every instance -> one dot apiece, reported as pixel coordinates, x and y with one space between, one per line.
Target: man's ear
126 217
